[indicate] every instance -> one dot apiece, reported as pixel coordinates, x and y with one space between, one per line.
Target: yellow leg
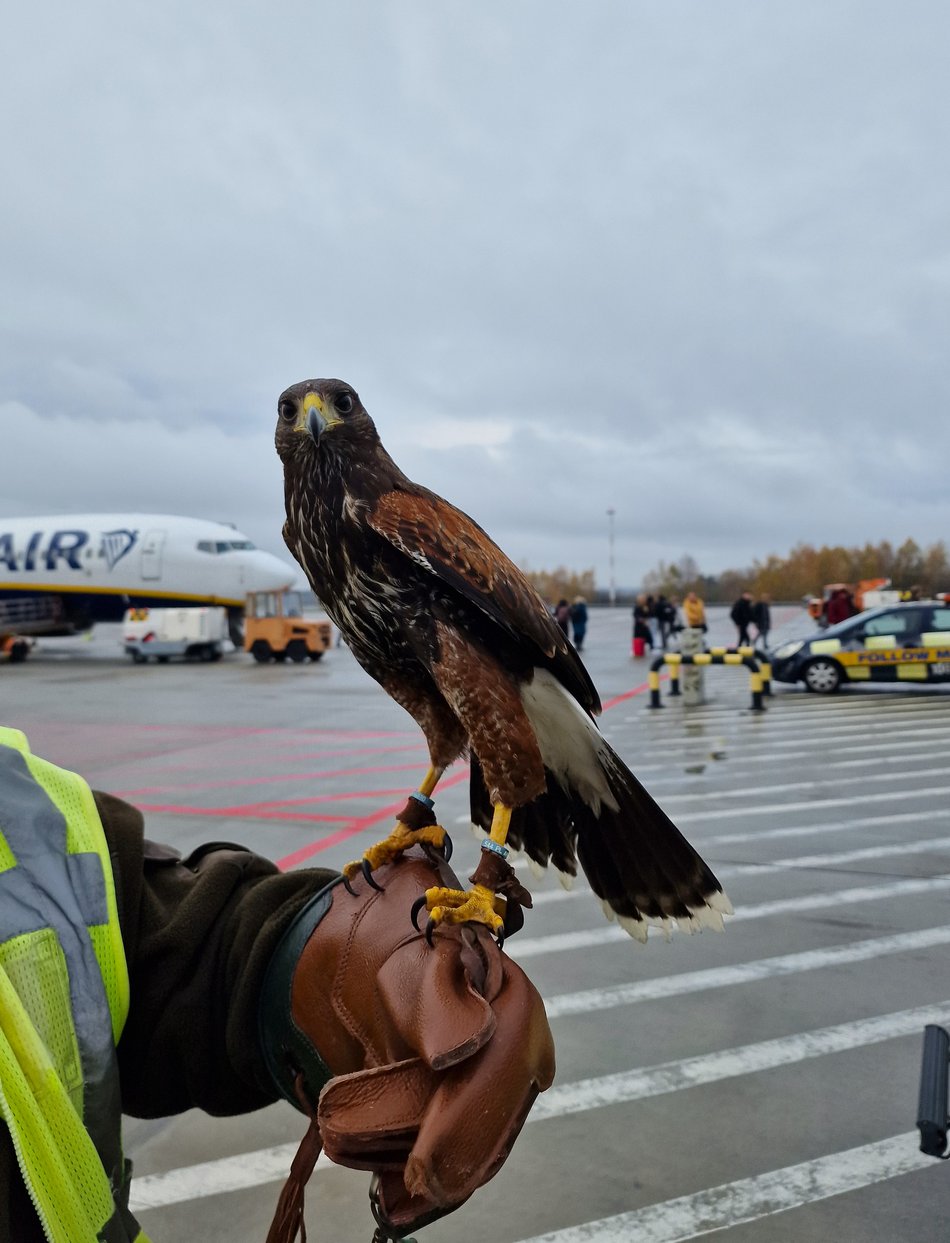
430 781
402 836
478 904
501 819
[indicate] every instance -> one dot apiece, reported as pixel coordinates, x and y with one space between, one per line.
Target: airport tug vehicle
275 628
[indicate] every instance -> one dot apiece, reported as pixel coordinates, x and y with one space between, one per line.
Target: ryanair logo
62 549
115 544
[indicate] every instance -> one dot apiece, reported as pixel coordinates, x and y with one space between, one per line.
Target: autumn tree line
804 572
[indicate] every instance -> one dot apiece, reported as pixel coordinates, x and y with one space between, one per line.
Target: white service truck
193 634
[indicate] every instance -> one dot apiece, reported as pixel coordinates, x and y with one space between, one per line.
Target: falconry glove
419 1062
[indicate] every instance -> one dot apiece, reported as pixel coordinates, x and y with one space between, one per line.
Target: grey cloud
694 258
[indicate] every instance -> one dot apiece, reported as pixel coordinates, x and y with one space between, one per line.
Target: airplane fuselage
59 575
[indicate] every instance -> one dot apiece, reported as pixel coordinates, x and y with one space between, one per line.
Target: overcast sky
689 261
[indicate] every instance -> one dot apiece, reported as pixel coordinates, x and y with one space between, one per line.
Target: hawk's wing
448 544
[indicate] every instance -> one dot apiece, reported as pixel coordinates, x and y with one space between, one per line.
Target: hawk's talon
500 938
456 906
368 874
348 887
417 906
447 848
430 928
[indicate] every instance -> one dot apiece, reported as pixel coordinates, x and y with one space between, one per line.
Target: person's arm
198 934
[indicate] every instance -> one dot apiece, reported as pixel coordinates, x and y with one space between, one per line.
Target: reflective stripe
64 989
878 642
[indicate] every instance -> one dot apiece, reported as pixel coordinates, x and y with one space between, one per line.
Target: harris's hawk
454 632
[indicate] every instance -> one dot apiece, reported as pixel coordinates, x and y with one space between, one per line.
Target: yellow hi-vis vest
64 997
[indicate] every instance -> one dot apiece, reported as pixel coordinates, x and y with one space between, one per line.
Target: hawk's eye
287 410
343 403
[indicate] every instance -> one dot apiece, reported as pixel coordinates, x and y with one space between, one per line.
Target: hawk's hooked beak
316 417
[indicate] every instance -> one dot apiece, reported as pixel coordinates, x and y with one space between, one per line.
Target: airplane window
222 546
205 545
241 545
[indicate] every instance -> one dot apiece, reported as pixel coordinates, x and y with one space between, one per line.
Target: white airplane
59 575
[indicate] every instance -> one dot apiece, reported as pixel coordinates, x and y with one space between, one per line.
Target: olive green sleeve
198 934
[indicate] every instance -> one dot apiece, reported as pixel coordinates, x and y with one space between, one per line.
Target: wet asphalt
760 1084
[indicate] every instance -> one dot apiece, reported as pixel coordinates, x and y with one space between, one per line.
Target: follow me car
903 643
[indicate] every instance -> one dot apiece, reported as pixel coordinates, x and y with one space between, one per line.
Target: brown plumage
454 632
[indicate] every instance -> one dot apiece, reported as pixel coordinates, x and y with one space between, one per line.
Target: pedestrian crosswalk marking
558 942
751 1199
791 863
612 996
271 1164
637 1085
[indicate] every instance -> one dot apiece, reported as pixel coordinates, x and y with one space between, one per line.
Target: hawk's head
322 417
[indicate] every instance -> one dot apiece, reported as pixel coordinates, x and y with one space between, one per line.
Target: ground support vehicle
904 643
275 628
160 634
15 648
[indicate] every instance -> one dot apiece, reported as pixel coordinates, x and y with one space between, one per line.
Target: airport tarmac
760 1085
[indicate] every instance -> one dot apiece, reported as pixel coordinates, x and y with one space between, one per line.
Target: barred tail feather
637 862
640 865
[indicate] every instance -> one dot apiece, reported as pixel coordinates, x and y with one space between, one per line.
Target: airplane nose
269 573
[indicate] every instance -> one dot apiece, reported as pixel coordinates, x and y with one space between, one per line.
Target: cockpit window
221 545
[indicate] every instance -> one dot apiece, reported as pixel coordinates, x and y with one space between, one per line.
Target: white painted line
215 1178
760 788
757 730
791 710
739 756
271 1164
900 849
749 1059
775 809
811 741
792 862
828 826
608 998
751 1199
560 942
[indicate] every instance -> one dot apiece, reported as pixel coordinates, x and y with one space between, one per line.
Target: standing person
762 620
839 606
136 981
562 614
652 621
676 613
642 634
694 612
579 621
666 618
741 614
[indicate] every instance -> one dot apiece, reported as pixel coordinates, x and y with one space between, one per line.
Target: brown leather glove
425 1059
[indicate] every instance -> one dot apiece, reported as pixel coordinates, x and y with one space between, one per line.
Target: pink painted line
310 754
260 809
230 783
619 699
357 826
219 813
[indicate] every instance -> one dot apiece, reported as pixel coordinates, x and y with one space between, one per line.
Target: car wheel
822 676
297 650
260 650
316 655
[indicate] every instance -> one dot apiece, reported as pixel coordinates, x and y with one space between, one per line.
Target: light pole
613 585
